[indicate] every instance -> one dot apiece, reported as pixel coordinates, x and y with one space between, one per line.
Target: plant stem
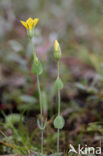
58 131
58 134
41 108
58 102
42 141
58 68
41 113
39 91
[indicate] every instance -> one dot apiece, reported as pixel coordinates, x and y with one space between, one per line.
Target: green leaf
58 84
59 122
44 101
12 118
95 127
28 99
37 68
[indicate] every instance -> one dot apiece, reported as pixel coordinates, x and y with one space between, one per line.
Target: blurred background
78 26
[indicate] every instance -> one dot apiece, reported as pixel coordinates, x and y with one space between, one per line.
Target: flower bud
57 50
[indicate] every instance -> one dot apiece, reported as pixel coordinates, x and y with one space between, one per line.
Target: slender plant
37 69
59 121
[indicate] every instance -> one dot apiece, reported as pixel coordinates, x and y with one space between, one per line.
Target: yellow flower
35 21
30 23
56 45
57 50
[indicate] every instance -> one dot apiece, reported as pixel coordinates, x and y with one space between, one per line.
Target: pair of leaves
59 122
58 84
37 68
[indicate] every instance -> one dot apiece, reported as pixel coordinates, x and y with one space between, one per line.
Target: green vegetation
32 109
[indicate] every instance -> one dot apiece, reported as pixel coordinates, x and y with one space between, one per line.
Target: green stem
58 102
58 68
39 91
58 93
42 141
58 131
32 48
58 136
41 113
41 108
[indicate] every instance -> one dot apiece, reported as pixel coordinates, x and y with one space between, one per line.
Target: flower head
30 24
56 45
57 50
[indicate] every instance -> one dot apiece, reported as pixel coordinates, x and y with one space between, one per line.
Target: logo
84 150
72 149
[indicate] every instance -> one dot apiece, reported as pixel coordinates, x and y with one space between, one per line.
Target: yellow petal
56 45
29 20
24 24
30 23
35 21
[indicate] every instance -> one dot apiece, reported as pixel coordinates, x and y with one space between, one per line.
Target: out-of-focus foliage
97 126
78 26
